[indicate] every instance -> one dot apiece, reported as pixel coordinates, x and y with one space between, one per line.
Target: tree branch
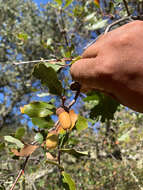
20 172
22 169
126 6
52 61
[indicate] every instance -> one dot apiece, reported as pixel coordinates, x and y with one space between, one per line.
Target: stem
74 100
126 6
22 169
63 29
53 61
34 187
20 172
19 175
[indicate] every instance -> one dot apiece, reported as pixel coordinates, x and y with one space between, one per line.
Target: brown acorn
64 118
52 140
73 117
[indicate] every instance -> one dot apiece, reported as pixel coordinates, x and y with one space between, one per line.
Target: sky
40 1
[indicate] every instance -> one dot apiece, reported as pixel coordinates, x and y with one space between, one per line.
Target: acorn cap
59 110
75 86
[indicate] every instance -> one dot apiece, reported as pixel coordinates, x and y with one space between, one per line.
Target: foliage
62 141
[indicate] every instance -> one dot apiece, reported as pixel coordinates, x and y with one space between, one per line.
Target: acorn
64 118
73 117
52 140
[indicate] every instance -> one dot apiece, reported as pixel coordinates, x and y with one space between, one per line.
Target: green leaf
22 36
55 65
68 180
20 132
111 7
91 100
14 140
74 152
54 163
68 2
2 145
49 41
49 78
37 109
63 138
81 123
75 59
98 25
125 137
106 108
91 16
45 123
92 97
59 2
39 138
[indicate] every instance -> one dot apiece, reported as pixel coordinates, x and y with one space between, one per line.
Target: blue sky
40 1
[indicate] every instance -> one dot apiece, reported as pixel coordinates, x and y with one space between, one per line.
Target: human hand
114 65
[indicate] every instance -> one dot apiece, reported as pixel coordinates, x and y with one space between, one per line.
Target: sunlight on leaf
39 138
22 36
37 109
76 59
125 137
58 1
52 140
68 2
98 25
67 179
55 65
14 140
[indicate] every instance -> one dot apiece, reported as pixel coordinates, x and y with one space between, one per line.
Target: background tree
59 30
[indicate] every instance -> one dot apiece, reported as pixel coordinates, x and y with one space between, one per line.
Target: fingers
86 72
90 52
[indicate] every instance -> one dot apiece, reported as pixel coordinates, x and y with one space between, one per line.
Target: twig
74 100
126 6
53 61
108 28
59 156
22 169
34 187
20 173
63 29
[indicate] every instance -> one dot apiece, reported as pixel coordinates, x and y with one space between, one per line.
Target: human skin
114 65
